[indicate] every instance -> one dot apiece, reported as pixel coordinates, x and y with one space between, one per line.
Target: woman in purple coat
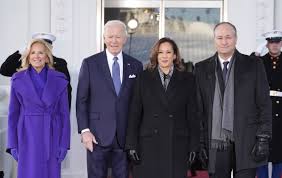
38 120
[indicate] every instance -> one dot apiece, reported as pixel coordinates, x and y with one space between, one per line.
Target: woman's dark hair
155 51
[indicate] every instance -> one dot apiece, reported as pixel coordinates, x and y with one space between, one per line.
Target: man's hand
87 138
261 48
133 156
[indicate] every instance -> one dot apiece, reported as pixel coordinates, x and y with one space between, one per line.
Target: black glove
191 161
1 174
260 151
203 158
133 156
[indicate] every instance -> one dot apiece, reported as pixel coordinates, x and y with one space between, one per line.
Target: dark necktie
166 79
116 75
225 70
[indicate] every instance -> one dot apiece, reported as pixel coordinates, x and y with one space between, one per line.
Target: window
189 23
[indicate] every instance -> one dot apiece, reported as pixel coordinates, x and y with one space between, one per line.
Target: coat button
276 115
277 102
156 131
170 116
156 116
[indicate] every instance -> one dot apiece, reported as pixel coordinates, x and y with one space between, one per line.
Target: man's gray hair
111 23
226 23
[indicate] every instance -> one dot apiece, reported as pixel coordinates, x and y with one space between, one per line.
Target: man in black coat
13 62
235 107
273 67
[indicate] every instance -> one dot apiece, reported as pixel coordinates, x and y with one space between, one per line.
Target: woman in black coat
162 127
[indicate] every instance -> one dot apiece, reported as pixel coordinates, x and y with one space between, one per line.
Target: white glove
261 49
22 50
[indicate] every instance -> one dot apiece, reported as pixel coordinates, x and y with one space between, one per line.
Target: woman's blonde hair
26 54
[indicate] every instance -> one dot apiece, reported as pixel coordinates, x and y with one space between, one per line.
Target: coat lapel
210 88
106 71
211 76
126 72
54 86
240 69
158 87
171 88
29 89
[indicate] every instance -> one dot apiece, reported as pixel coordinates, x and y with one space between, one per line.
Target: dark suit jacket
162 125
12 63
97 105
252 105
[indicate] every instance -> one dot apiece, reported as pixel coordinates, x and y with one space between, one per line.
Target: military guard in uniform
13 62
273 66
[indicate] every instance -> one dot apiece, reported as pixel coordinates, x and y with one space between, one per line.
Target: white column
39 16
75 25
264 18
252 18
242 14
278 15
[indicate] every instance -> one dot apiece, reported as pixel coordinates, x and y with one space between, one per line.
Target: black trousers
226 162
1 174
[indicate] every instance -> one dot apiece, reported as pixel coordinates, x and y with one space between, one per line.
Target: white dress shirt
110 59
224 60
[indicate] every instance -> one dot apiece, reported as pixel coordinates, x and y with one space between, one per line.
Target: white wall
13 13
245 26
278 14
12 35
251 18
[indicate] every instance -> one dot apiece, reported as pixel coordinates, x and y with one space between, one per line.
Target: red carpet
200 174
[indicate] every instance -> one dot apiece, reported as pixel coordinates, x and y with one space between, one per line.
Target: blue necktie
224 71
116 75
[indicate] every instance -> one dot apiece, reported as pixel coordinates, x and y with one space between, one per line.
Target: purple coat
38 127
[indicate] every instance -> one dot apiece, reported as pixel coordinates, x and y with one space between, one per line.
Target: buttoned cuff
85 130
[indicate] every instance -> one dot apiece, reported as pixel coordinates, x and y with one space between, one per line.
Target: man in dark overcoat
234 104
